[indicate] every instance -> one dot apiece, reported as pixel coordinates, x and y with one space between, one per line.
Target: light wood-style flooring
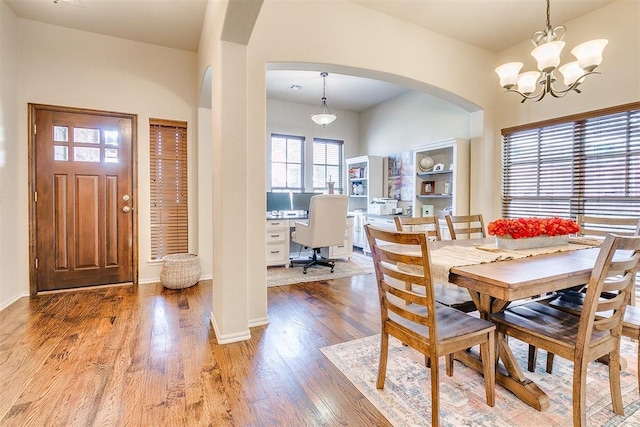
147 356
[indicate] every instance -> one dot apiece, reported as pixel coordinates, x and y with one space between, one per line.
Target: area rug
359 264
406 398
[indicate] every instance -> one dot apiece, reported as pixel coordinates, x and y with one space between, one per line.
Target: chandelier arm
573 87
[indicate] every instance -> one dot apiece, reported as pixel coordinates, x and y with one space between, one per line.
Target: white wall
66 67
411 119
13 240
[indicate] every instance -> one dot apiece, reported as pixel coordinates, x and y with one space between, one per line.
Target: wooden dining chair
469 225
602 225
592 333
415 318
599 227
426 224
449 295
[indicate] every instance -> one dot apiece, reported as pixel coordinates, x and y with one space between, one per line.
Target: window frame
287 187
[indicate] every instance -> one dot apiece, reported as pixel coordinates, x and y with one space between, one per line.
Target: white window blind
586 164
327 164
287 163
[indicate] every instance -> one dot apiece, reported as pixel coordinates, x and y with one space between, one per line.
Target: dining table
495 285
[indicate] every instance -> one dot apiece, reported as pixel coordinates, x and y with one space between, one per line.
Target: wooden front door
82 208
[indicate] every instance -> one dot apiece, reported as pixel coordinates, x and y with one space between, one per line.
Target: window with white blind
169 207
583 164
287 163
327 164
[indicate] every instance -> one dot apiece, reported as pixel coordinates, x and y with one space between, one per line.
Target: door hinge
35 196
34 129
36 263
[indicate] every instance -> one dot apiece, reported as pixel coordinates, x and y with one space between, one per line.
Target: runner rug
406 398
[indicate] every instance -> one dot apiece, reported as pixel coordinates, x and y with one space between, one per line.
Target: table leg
509 374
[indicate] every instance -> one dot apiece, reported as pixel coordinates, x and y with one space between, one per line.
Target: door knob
126 209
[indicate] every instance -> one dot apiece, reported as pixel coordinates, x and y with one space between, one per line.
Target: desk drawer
277 235
277 253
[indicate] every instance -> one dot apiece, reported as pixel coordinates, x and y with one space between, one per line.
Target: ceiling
492 25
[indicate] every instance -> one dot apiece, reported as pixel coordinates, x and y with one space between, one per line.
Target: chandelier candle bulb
589 54
527 81
508 74
548 56
571 72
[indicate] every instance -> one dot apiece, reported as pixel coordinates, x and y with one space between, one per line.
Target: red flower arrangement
520 228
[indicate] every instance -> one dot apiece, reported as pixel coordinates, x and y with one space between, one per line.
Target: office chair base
314 260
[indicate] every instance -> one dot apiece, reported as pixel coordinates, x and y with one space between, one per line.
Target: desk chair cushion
325 227
326 223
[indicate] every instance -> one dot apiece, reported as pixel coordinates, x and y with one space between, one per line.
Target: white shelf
449 152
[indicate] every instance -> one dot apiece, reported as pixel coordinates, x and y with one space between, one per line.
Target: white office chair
324 227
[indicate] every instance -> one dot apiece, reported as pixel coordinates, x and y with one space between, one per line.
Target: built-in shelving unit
446 189
365 180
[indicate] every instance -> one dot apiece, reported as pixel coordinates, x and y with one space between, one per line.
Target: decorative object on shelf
549 45
426 164
358 188
324 116
447 188
428 187
439 167
527 233
428 210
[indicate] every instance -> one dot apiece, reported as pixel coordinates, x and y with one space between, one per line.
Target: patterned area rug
359 264
406 398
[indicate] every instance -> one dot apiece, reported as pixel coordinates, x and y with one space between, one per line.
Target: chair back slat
401 258
614 271
426 224
602 225
466 225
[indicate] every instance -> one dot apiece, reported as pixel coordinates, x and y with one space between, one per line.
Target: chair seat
573 302
537 319
452 324
451 296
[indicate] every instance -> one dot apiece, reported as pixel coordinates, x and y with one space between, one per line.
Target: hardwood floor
147 356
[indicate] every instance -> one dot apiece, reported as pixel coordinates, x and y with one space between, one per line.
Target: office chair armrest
301 232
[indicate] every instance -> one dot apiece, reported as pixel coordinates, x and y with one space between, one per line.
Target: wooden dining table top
515 279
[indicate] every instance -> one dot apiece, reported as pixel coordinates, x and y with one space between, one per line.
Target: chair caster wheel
332 270
304 271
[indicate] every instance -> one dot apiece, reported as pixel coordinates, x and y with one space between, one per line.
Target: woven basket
180 271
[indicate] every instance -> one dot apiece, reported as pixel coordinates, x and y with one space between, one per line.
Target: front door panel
83 215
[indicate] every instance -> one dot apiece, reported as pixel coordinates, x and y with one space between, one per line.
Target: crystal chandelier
549 45
324 116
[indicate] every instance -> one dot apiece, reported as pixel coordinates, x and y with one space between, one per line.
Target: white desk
279 240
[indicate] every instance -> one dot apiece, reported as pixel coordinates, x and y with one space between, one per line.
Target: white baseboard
229 338
13 299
